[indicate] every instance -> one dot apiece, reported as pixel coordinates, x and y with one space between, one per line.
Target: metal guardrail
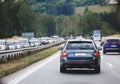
7 55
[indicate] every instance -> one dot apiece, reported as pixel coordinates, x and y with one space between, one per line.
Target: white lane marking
31 71
102 57
115 73
110 65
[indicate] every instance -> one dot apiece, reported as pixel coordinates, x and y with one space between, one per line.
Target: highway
47 72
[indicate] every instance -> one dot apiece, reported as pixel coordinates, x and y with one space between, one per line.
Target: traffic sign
28 35
96 32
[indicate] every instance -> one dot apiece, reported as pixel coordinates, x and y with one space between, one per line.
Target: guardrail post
4 59
8 57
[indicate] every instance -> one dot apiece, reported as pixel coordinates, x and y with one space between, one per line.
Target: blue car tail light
63 54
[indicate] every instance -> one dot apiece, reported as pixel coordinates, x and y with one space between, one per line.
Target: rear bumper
79 65
112 49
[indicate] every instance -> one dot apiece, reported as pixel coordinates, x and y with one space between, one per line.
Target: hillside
96 9
58 7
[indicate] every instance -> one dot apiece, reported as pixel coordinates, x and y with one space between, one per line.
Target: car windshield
79 46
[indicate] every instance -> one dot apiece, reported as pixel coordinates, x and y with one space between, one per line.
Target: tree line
18 16
54 7
58 7
15 18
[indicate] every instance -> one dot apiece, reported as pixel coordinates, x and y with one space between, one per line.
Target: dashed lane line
110 65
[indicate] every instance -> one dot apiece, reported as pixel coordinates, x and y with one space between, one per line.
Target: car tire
62 69
104 52
97 69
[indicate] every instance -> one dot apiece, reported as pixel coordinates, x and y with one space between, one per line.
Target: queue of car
25 42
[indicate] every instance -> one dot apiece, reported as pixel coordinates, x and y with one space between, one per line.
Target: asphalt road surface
47 72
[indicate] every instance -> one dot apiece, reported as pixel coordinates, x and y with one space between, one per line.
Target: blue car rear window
113 40
79 46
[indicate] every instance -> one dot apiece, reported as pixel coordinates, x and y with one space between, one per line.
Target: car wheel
104 52
62 69
97 69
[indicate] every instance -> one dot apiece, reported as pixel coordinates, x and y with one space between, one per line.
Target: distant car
80 54
3 45
34 42
111 45
24 42
50 40
44 40
10 45
17 44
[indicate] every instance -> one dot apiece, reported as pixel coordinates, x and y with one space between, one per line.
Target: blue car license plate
113 46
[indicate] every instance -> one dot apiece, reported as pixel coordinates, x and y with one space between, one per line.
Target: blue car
111 45
80 54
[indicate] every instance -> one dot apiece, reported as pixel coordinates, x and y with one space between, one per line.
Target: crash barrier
8 55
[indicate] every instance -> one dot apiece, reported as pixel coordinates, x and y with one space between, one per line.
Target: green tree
70 25
26 17
117 18
90 22
106 29
59 22
69 7
31 2
47 23
54 7
4 21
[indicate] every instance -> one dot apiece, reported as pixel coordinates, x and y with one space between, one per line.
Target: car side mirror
60 48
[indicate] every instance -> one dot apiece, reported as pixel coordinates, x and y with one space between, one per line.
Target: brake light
118 42
106 42
96 53
63 53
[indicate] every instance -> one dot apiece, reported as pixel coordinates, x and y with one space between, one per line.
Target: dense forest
55 17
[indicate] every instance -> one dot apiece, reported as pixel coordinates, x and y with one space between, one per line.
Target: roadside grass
16 65
13 38
96 9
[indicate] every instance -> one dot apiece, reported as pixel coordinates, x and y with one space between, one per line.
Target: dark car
80 54
111 45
